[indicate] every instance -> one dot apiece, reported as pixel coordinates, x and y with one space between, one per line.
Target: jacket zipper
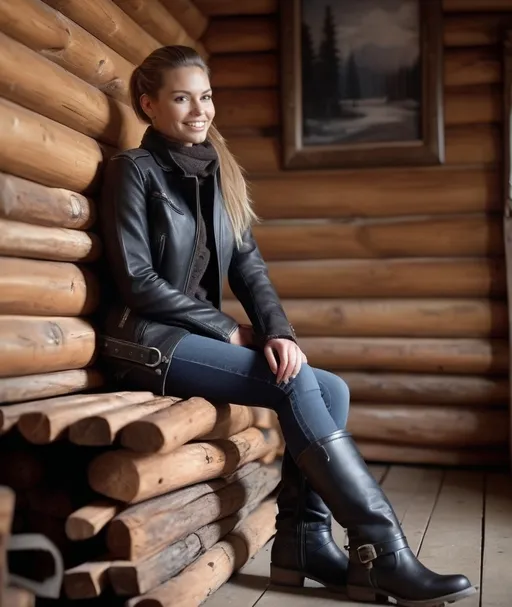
161 249
196 238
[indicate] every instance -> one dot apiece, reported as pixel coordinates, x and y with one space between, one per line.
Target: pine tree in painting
328 88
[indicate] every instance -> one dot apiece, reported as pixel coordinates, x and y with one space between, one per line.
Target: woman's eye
180 99
207 97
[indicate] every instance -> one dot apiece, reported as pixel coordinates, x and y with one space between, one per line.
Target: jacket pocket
167 200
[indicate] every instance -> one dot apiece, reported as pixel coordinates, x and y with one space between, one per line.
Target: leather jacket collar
156 143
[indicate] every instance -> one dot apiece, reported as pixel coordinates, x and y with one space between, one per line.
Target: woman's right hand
243 336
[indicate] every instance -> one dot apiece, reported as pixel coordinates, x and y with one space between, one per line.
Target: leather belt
126 350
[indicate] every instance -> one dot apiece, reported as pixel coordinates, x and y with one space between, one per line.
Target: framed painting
361 83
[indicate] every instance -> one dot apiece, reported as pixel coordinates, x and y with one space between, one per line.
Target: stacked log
134 489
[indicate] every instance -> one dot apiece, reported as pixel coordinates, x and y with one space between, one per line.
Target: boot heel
364 595
285 577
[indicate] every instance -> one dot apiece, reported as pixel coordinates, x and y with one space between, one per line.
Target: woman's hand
290 358
243 336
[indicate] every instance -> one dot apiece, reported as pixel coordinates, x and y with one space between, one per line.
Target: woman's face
183 109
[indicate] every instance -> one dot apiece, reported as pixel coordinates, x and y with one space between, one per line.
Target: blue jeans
310 407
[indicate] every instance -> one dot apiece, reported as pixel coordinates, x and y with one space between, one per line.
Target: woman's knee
336 394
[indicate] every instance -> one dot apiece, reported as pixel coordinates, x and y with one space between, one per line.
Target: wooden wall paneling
189 16
258 107
479 29
465 144
77 51
250 34
234 7
455 6
241 108
464 235
391 317
400 454
30 344
421 388
39 149
257 33
157 21
476 144
47 288
422 277
79 105
418 355
30 202
251 70
507 183
108 23
462 67
471 66
429 426
330 194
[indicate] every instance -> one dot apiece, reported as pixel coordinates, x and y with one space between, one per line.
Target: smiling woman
177 221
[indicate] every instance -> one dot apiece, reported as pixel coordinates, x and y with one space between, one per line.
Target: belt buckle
159 358
366 553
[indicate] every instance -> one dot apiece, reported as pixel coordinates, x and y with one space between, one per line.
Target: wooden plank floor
456 521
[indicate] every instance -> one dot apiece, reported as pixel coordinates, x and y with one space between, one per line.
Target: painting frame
429 150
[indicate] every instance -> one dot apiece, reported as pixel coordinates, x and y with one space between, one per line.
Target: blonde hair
147 79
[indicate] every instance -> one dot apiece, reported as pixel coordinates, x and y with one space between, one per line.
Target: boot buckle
366 554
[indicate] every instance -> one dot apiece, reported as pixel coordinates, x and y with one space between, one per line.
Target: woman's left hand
290 358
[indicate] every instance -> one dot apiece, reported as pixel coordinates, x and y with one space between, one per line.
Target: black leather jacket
148 216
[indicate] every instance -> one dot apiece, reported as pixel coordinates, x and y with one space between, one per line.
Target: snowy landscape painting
360 81
361 71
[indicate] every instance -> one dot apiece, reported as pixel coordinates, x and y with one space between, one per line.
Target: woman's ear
147 106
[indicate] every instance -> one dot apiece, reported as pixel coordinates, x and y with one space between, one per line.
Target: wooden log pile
135 490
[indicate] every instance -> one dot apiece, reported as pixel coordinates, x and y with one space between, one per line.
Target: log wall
393 278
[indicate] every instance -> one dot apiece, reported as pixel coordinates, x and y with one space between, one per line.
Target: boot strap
366 553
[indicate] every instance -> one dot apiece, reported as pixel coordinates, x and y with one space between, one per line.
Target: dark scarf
198 160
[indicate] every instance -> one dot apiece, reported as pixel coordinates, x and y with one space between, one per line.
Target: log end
120 546
79 585
114 475
123 579
92 431
35 427
143 436
79 529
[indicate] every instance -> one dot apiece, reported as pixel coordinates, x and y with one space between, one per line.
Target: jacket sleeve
249 281
127 247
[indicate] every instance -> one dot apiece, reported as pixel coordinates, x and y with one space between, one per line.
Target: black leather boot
381 564
303 546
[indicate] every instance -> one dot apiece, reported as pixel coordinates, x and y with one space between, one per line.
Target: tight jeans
311 406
